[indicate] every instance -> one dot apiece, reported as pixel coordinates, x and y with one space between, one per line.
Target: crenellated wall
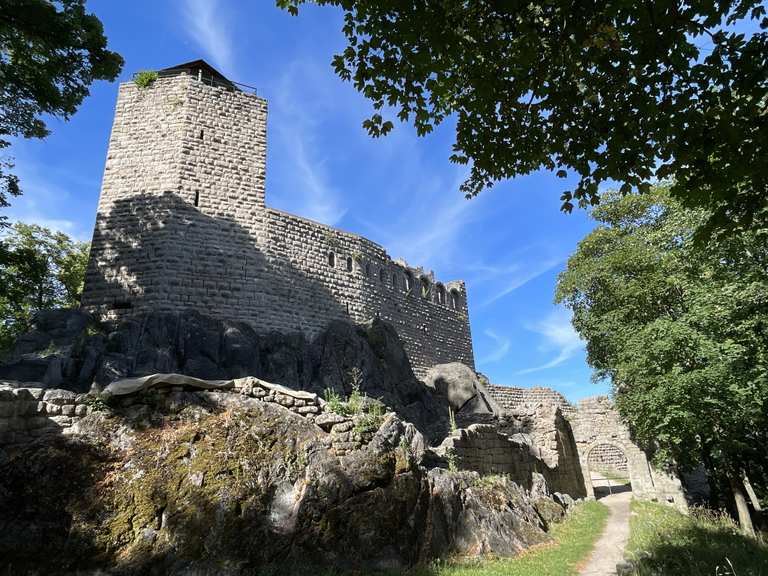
182 224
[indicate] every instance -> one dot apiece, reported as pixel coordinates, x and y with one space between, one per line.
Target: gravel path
609 549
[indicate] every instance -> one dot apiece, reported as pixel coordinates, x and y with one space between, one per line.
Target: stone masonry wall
182 225
27 413
607 457
510 398
596 423
364 282
600 435
484 449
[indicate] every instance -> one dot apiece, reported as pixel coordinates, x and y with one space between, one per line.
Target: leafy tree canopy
679 328
620 90
50 53
39 269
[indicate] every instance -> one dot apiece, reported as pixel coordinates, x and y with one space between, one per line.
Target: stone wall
597 425
182 224
602 440
27 412
484 449
607 457
511 398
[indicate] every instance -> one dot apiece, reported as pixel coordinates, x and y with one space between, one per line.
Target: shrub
145 78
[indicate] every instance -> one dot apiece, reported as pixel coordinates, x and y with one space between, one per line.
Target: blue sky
401 191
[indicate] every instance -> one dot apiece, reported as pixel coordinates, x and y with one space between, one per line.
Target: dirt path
609 549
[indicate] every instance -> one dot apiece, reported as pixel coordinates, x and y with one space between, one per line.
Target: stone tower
182 224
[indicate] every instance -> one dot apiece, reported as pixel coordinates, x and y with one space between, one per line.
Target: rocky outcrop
69 349
461 388
184 481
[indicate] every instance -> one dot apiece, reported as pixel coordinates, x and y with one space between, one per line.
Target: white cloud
425 242
502 345
296 118
513 277
206 22
46 197
559 335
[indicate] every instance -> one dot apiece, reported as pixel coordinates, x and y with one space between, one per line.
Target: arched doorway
609 471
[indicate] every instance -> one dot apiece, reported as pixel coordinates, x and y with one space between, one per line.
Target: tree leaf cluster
39 270
50 53
617 90
680 328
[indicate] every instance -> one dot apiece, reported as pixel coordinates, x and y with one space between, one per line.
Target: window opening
440 294
425 288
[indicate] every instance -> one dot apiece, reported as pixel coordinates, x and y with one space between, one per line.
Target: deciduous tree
621 90
681 331
50 53
39 269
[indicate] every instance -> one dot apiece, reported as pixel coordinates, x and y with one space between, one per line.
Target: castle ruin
182 223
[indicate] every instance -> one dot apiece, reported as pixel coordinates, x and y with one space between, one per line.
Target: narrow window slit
197 198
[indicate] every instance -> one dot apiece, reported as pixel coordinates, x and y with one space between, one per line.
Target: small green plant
490 481
96 403
92 330
452 459
405 454
452 420
334 402
370 416
145 78
50 349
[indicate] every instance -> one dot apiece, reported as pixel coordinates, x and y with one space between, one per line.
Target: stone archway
636 465
608 467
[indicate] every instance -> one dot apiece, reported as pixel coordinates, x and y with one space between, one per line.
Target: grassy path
574 539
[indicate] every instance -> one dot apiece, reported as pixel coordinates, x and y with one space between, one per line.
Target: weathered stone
459 385
326 420
59 397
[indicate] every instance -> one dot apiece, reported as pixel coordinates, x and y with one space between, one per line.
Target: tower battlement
182 223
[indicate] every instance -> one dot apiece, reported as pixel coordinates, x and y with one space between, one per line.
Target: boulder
461 387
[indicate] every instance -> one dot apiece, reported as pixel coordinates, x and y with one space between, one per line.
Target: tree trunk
745 519
752 495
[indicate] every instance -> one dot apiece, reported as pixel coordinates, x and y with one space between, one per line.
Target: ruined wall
484 449
602 440
182 224
27 413
596 424
511 398
363 282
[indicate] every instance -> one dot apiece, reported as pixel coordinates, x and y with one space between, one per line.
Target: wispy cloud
508 279
46 196
435 234
206 23
297 121
502 345
559 335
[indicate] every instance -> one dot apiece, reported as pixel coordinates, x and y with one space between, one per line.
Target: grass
614 476
664 541
574 539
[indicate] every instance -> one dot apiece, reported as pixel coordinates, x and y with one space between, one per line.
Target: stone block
59 397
